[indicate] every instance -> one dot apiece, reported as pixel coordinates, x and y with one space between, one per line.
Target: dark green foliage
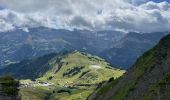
64 90
72 72
111 80
9 85
84 73
104 88
50 78
165 80
109 67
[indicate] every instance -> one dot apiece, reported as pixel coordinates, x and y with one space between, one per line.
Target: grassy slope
88 74
147 60
162 85
77 59
145 63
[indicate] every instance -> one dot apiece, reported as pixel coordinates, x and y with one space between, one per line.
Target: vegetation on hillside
71 76
31 68
146 63
8 85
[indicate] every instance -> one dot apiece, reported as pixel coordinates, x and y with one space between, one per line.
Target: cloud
137 2
127 15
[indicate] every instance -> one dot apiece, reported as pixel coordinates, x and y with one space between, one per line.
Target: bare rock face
148 79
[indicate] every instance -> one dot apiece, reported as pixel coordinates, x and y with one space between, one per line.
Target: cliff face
148 79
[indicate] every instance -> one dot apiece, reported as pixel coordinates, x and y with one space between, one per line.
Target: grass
159 86
34 93
94 76
144 63
39 93
67 77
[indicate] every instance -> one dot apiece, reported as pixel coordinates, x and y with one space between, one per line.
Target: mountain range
22 44
129 48
19 45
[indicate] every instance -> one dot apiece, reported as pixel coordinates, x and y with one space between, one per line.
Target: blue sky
160 0
144 1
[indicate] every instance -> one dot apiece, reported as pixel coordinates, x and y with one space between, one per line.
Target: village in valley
29 83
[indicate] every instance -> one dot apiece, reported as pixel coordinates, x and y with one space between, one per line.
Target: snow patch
95 67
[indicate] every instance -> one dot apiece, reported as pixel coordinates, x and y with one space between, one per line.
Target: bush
9 85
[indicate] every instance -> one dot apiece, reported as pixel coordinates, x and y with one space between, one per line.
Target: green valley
70 76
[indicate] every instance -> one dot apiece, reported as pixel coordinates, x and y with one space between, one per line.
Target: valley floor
39 91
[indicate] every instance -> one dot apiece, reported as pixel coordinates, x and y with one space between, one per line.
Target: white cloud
86 14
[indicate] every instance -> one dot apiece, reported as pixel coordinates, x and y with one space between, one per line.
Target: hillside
125 52
26 68
148 79
73 75
83 67
8 88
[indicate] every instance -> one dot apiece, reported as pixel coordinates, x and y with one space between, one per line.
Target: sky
123 15
160 0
